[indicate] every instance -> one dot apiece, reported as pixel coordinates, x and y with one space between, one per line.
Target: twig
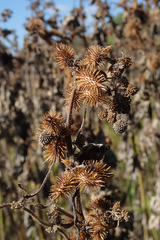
30 212
142 194
64 212
68 125
77 210
46 177
63 233
67 225
83 120
5 205
69 116
45 224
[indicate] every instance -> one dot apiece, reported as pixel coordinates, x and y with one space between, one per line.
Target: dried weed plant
32 84
84 169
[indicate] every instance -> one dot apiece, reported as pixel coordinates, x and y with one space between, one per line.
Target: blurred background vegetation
32 83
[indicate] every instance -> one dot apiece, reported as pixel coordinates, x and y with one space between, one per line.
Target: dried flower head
113 105
92 85
92 175
102 115
121 124
131 90
120 127
97 230
45 138
118 66
111 118
96 56
58 146
53 123
118 214
64 186
77 100
123 117
104 216
64 55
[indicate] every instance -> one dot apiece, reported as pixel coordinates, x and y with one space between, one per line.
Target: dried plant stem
67 225
64 212
69 116
83 120
37 218
143 204
40 221
68 125
46 177
1 221
30 212
142 194
63 233
77 210
5 205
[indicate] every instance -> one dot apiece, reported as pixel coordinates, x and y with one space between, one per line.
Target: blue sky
20 13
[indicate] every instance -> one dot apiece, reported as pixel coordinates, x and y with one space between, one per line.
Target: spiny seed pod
96 56
122 117
102 115
64 55
111 118
53 122
91 83
113 106
45 138
119 127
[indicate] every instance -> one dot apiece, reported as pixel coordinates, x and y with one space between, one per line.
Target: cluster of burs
108 88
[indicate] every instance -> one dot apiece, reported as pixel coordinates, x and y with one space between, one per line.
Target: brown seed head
123 117
93 175
102 115
53 123
119 127
111 118
64 55
45 138
113 106
64 186
50 149
92 85
95 56
77 101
